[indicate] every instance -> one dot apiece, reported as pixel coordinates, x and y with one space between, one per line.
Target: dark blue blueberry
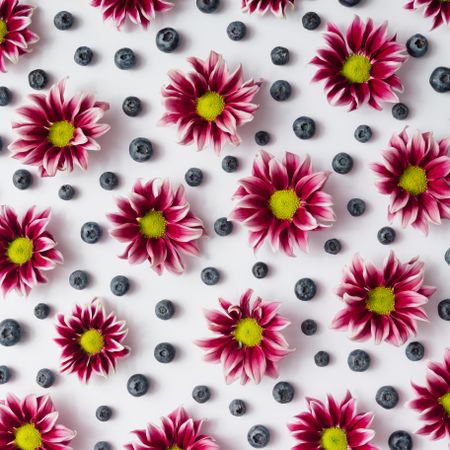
387 397
447 256
237 407
1 143
41 311
258 436
167 40
208 6
440 79
125 58
5 374
279 56
417 45
194 177
91 232
260 270
236 30
356 207
210 276
386 235
223 226
304 127
164 352
103 413
230 164
305 289
363 133
262 138
358 360
283 392
400 440
309 327
342 163
140 149
311 21
201 394
164 309
66 192
45 378
137 385
322 359
400 111
332 246
415 351
22 179
83 55
280 90
132 106
108 180
5 96
37 79
444 309
63 20
79 279
349 3
102 445
119 285
10 332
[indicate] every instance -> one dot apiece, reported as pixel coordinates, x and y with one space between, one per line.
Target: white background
171 384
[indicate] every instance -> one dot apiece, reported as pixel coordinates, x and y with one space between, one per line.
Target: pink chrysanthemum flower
249 343
439 10
283 202
31 424
91 341
433 400
157 224
383 303
209 104
416 174
56 133
139 12
28 250
276 7
360 67
178 431
15 35
332 426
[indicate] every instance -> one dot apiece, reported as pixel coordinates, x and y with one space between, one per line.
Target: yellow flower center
61 133
381 300
334 439
20 250
284 204
210 106
27 437
445 402
357 68
92 341
3 30
413 180
153 224
248 332
174 447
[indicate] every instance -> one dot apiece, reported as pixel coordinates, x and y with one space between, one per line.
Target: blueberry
400 440
5 96
358 360
194 177
311 21
363 133
417 45
103 413
262 138
108 180
10 332
164 352
102 445
304 127
447 256
210 276
400 111
167 40
258 436
386 235
415 351
260 270
332 246
5 374
66 192
342 163
45 378
63 20
91 232
83 56
349 3
79 279
444 309
137 385
132 106
280 90
230 164
309 327
208 6
37 79
201 394
387 397
140 149
164 309
223 226
119 285
440 79
237 407
322 359
1 144
41 311
236 30
305 289
283 392
356 207
22 179
279 56
125 58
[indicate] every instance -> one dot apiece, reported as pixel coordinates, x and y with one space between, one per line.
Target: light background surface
171 384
